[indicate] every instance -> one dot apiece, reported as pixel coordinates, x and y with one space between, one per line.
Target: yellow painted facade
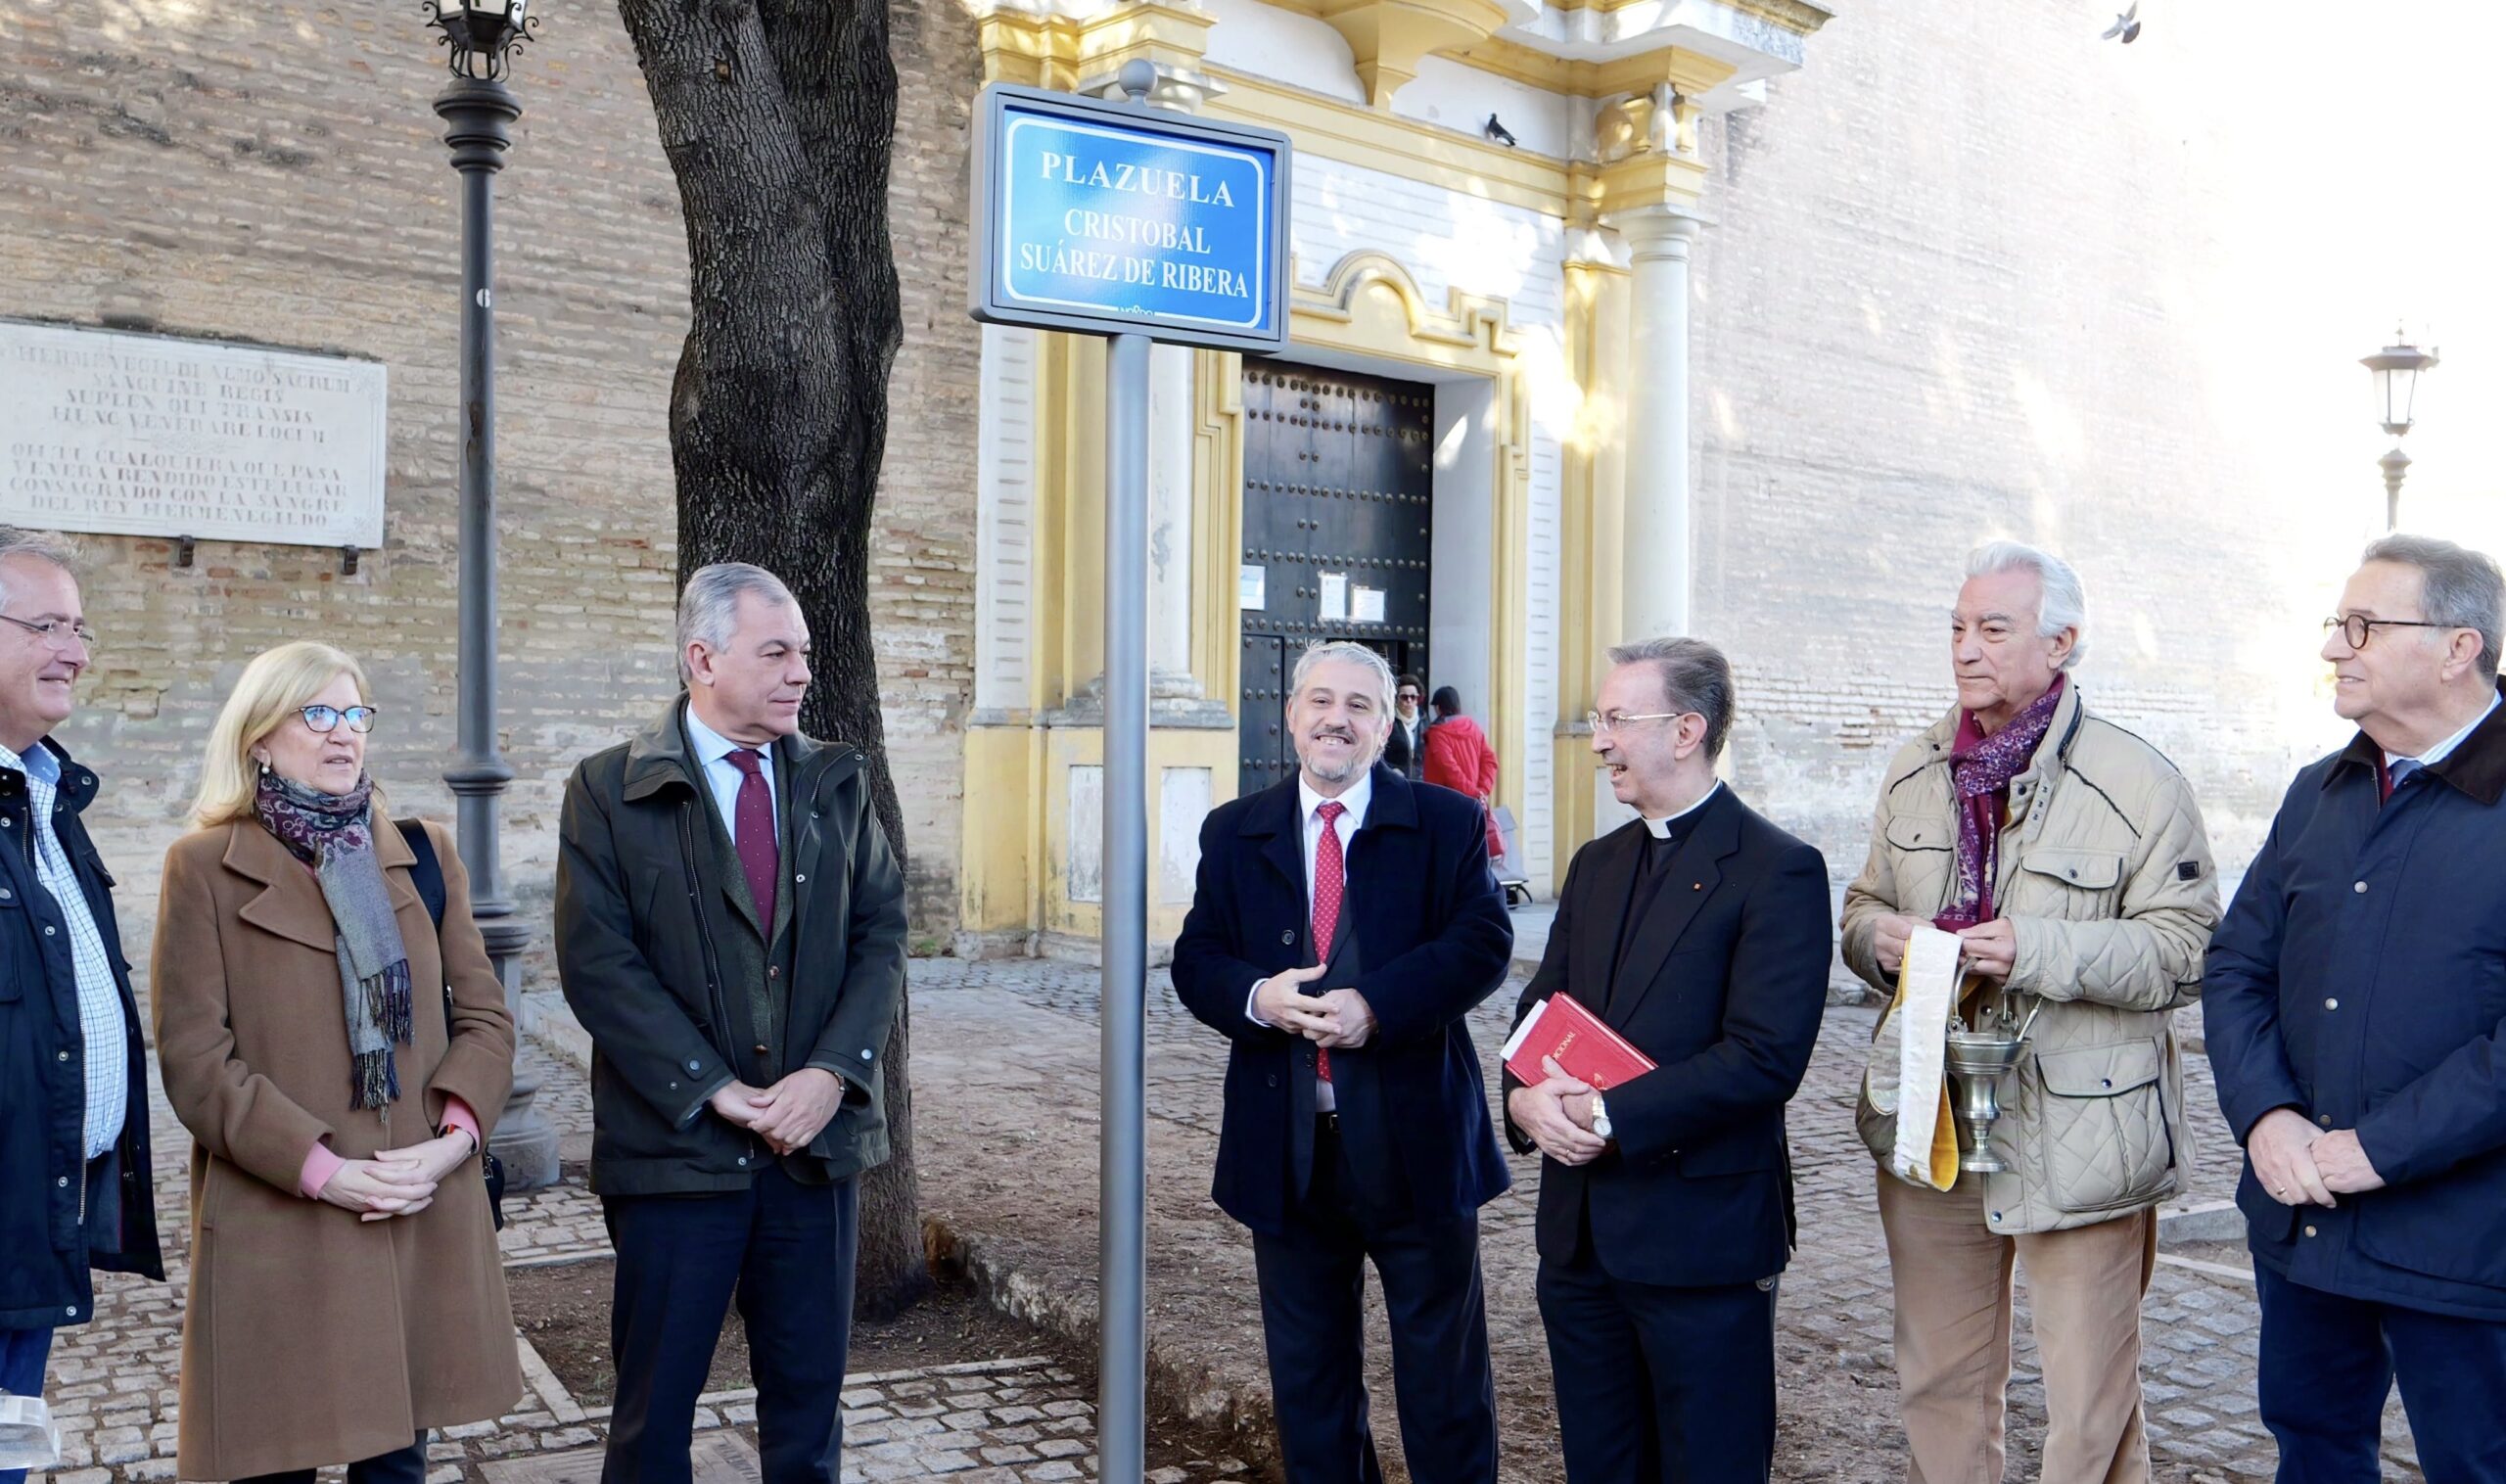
1364 309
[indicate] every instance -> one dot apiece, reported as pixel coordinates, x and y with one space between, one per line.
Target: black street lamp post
2397 369
478 112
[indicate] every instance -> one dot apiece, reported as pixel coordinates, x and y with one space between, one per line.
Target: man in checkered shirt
74 1190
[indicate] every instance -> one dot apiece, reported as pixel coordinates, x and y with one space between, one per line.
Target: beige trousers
1952 1336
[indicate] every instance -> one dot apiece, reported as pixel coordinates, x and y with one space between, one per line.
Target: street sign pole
1113 219
1122 1211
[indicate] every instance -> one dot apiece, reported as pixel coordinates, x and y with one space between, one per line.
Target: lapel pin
1287 936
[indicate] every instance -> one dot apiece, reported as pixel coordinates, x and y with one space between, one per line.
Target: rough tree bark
778 117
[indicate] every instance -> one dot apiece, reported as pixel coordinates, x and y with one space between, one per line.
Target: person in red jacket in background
1459 758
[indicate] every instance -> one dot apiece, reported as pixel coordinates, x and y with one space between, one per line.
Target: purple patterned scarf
1980 768
333 833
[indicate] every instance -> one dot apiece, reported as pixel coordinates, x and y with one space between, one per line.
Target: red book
1577 1039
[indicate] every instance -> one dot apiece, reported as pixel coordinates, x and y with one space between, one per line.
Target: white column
1174 413
1656 552
1171 413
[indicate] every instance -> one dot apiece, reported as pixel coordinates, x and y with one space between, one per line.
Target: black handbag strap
425 873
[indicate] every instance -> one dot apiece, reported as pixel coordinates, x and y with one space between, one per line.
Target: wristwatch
1601 1117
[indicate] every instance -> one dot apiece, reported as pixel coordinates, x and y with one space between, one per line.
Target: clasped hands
2298 1163
1988 949
2301 1164
398 1182
1335 1020
787 1115
1557 1114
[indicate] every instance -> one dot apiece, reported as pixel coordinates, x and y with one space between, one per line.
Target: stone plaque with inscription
141 435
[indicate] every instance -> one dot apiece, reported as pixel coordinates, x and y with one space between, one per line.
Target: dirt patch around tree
564 1311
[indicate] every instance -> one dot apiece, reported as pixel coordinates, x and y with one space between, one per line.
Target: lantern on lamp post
2397 369
479 111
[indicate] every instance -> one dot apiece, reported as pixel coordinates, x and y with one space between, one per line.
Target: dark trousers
401 1466
2328 1362
1313 1284
1655 1384
784 1251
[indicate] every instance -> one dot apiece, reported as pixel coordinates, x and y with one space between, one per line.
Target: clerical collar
1660 829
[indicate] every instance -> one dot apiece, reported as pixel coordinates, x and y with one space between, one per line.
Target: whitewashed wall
1446 241
1005 520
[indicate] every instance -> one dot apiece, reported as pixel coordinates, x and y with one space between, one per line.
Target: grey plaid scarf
334 834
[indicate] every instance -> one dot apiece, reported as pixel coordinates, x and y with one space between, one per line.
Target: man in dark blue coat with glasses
74 1192
2355 1010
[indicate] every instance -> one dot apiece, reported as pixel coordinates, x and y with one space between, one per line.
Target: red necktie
753 835
1330 880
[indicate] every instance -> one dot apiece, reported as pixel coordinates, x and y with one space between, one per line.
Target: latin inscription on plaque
139 435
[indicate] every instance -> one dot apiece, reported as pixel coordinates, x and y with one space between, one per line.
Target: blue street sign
1112 218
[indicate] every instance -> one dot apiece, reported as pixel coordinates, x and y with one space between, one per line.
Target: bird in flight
2127 25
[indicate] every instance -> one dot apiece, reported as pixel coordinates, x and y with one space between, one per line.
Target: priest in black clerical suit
1699 932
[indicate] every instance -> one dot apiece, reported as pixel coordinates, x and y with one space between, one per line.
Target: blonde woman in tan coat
345 1290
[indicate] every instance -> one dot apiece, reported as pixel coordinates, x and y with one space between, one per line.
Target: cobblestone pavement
1012 1421
1836 1310
1029 1027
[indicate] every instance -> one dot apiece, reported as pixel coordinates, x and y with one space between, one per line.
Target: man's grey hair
709 605
1696 678
1346 653
41 546
2061 602
2462 588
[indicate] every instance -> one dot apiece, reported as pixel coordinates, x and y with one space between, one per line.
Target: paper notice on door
1334 593
1252 585
1366 605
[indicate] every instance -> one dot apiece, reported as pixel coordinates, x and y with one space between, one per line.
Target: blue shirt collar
36 762
2443 749
713 747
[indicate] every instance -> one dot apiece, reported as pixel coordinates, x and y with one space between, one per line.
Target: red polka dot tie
753 834
1330 881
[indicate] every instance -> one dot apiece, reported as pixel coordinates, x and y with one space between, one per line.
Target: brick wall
1951 292
273 174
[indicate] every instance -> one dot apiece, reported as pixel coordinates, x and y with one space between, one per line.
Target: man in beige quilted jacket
2068 857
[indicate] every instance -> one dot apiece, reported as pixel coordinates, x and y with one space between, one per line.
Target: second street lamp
477 113
2397 369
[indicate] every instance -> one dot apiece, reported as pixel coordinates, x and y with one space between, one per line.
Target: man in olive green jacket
2070 857
730 930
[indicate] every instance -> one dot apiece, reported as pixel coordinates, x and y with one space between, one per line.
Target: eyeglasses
2357 628
57 632
327 719
1603 727
1409 696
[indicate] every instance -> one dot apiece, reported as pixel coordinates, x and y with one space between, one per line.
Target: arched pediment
1378 302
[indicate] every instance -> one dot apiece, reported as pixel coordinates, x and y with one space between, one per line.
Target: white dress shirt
103 1032
1309 819
713 759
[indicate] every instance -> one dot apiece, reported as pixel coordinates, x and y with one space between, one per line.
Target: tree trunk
778 117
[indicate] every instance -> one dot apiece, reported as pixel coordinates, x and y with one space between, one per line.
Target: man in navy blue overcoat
2354 1004
1344 922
